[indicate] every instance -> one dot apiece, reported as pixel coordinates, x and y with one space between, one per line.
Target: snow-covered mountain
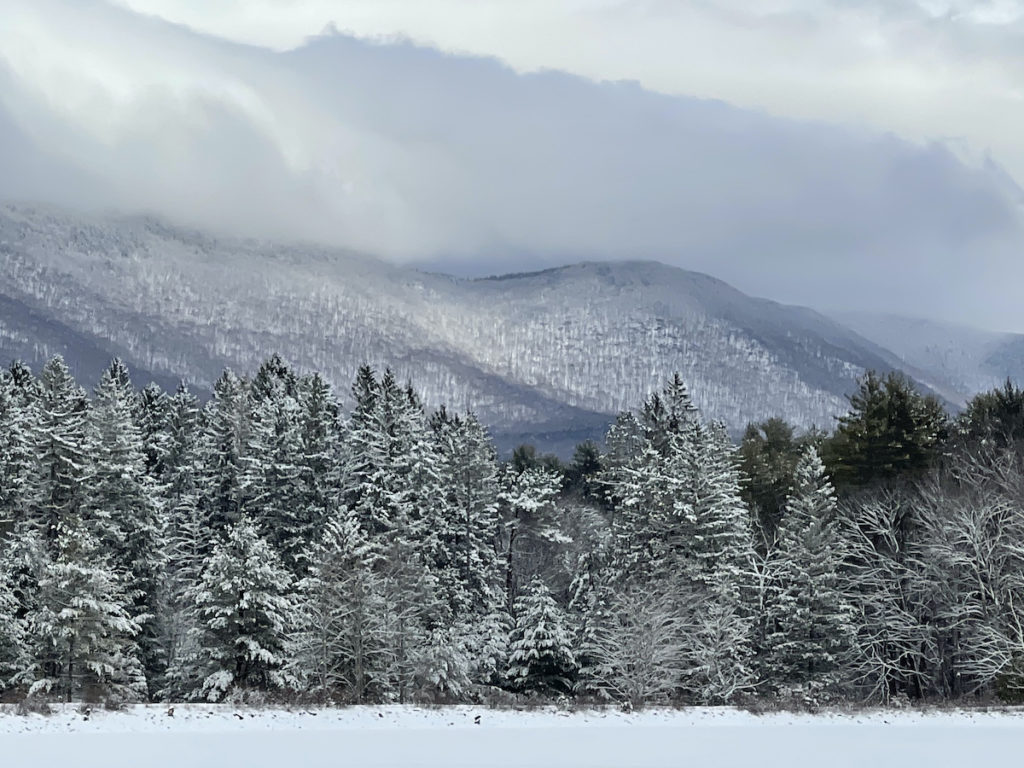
549 356
954 360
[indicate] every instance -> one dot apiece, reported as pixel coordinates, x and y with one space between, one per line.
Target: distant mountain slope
549 355
955 360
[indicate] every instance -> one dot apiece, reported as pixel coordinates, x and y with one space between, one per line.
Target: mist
461 163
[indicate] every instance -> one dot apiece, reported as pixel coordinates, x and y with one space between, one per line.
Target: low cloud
432 158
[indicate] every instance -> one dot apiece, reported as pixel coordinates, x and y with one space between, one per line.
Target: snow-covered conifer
339 646
122 495
59 440
541 657
222 446
243 608
81 634
808 615
466 563
273 464
530 525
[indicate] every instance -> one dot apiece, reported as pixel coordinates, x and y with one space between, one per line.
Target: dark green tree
768 455
994 419
891 432
582 473
541 656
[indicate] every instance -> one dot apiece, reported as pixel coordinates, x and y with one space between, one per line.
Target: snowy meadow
200 735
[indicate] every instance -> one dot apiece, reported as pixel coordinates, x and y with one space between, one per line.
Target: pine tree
320 463
340 646
541 657
891 431
59 441
81 635
152 411
677 517
222 447
13 642
186 538
531 528
643 493
809 618
717 523
273 463
16 418
376 476
244 610
466 561
121 494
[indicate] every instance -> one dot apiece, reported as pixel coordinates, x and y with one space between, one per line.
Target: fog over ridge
458 161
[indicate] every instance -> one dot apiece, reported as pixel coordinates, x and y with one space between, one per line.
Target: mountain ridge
551 354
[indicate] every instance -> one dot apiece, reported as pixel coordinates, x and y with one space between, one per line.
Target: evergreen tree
243 608
59 441
152 411
541 657
185 534
222 449
994 419
375 474
13 642
340 648
320 463
769 453
530 524
582 473
16 465
81 635
809 618
122 495
892 431
273 464
466 560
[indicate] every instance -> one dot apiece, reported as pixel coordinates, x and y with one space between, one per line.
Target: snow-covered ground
203 735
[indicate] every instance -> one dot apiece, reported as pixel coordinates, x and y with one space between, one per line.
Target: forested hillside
275 545
549 356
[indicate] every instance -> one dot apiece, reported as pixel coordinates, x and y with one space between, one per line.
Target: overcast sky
836 153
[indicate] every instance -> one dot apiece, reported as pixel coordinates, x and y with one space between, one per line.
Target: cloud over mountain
424 156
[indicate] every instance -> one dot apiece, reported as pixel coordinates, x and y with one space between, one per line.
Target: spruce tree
187 539
320 462
16 460
466 562
124 496
57 488
81 634
809 618
273 464
13 641
339 645
541 657
152 411
222 448
243 609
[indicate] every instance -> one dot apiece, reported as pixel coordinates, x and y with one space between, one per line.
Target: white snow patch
220 735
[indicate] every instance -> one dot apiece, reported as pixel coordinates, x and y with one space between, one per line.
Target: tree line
270 545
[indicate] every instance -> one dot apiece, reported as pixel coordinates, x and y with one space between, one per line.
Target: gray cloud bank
420 156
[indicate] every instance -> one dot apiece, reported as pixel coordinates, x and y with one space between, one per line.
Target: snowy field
201 735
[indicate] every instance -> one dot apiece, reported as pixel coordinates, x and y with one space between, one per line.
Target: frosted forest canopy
267 546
